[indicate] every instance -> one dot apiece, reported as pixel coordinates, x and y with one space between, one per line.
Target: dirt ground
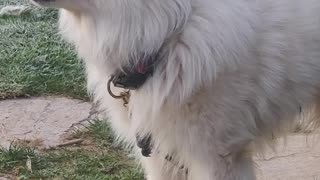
45 120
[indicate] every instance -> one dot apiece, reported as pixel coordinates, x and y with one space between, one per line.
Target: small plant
100 129
15 156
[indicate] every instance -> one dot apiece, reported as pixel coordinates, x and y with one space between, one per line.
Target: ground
45 135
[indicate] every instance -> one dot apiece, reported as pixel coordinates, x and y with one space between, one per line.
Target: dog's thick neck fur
122 37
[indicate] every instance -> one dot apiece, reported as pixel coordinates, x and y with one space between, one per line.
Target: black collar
135 75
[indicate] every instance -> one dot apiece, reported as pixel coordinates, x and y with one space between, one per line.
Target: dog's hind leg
237 166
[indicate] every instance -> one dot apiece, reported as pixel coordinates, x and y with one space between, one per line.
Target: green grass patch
91 160
34 60
100 132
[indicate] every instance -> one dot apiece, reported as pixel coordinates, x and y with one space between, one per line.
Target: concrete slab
296 159
43 119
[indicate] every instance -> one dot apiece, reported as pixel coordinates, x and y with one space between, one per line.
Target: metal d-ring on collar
123 95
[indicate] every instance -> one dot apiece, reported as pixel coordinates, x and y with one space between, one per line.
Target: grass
95 160
34 60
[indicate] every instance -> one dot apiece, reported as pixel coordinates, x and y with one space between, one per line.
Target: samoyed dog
194 85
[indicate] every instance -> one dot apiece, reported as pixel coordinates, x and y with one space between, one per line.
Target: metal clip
125 96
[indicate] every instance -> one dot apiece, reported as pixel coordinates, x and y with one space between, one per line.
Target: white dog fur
235 73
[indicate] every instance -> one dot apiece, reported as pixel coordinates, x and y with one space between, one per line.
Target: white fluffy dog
226 74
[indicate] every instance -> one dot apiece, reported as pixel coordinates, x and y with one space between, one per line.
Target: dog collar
135 75
133 78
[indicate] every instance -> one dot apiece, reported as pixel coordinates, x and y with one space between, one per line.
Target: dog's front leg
156 167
